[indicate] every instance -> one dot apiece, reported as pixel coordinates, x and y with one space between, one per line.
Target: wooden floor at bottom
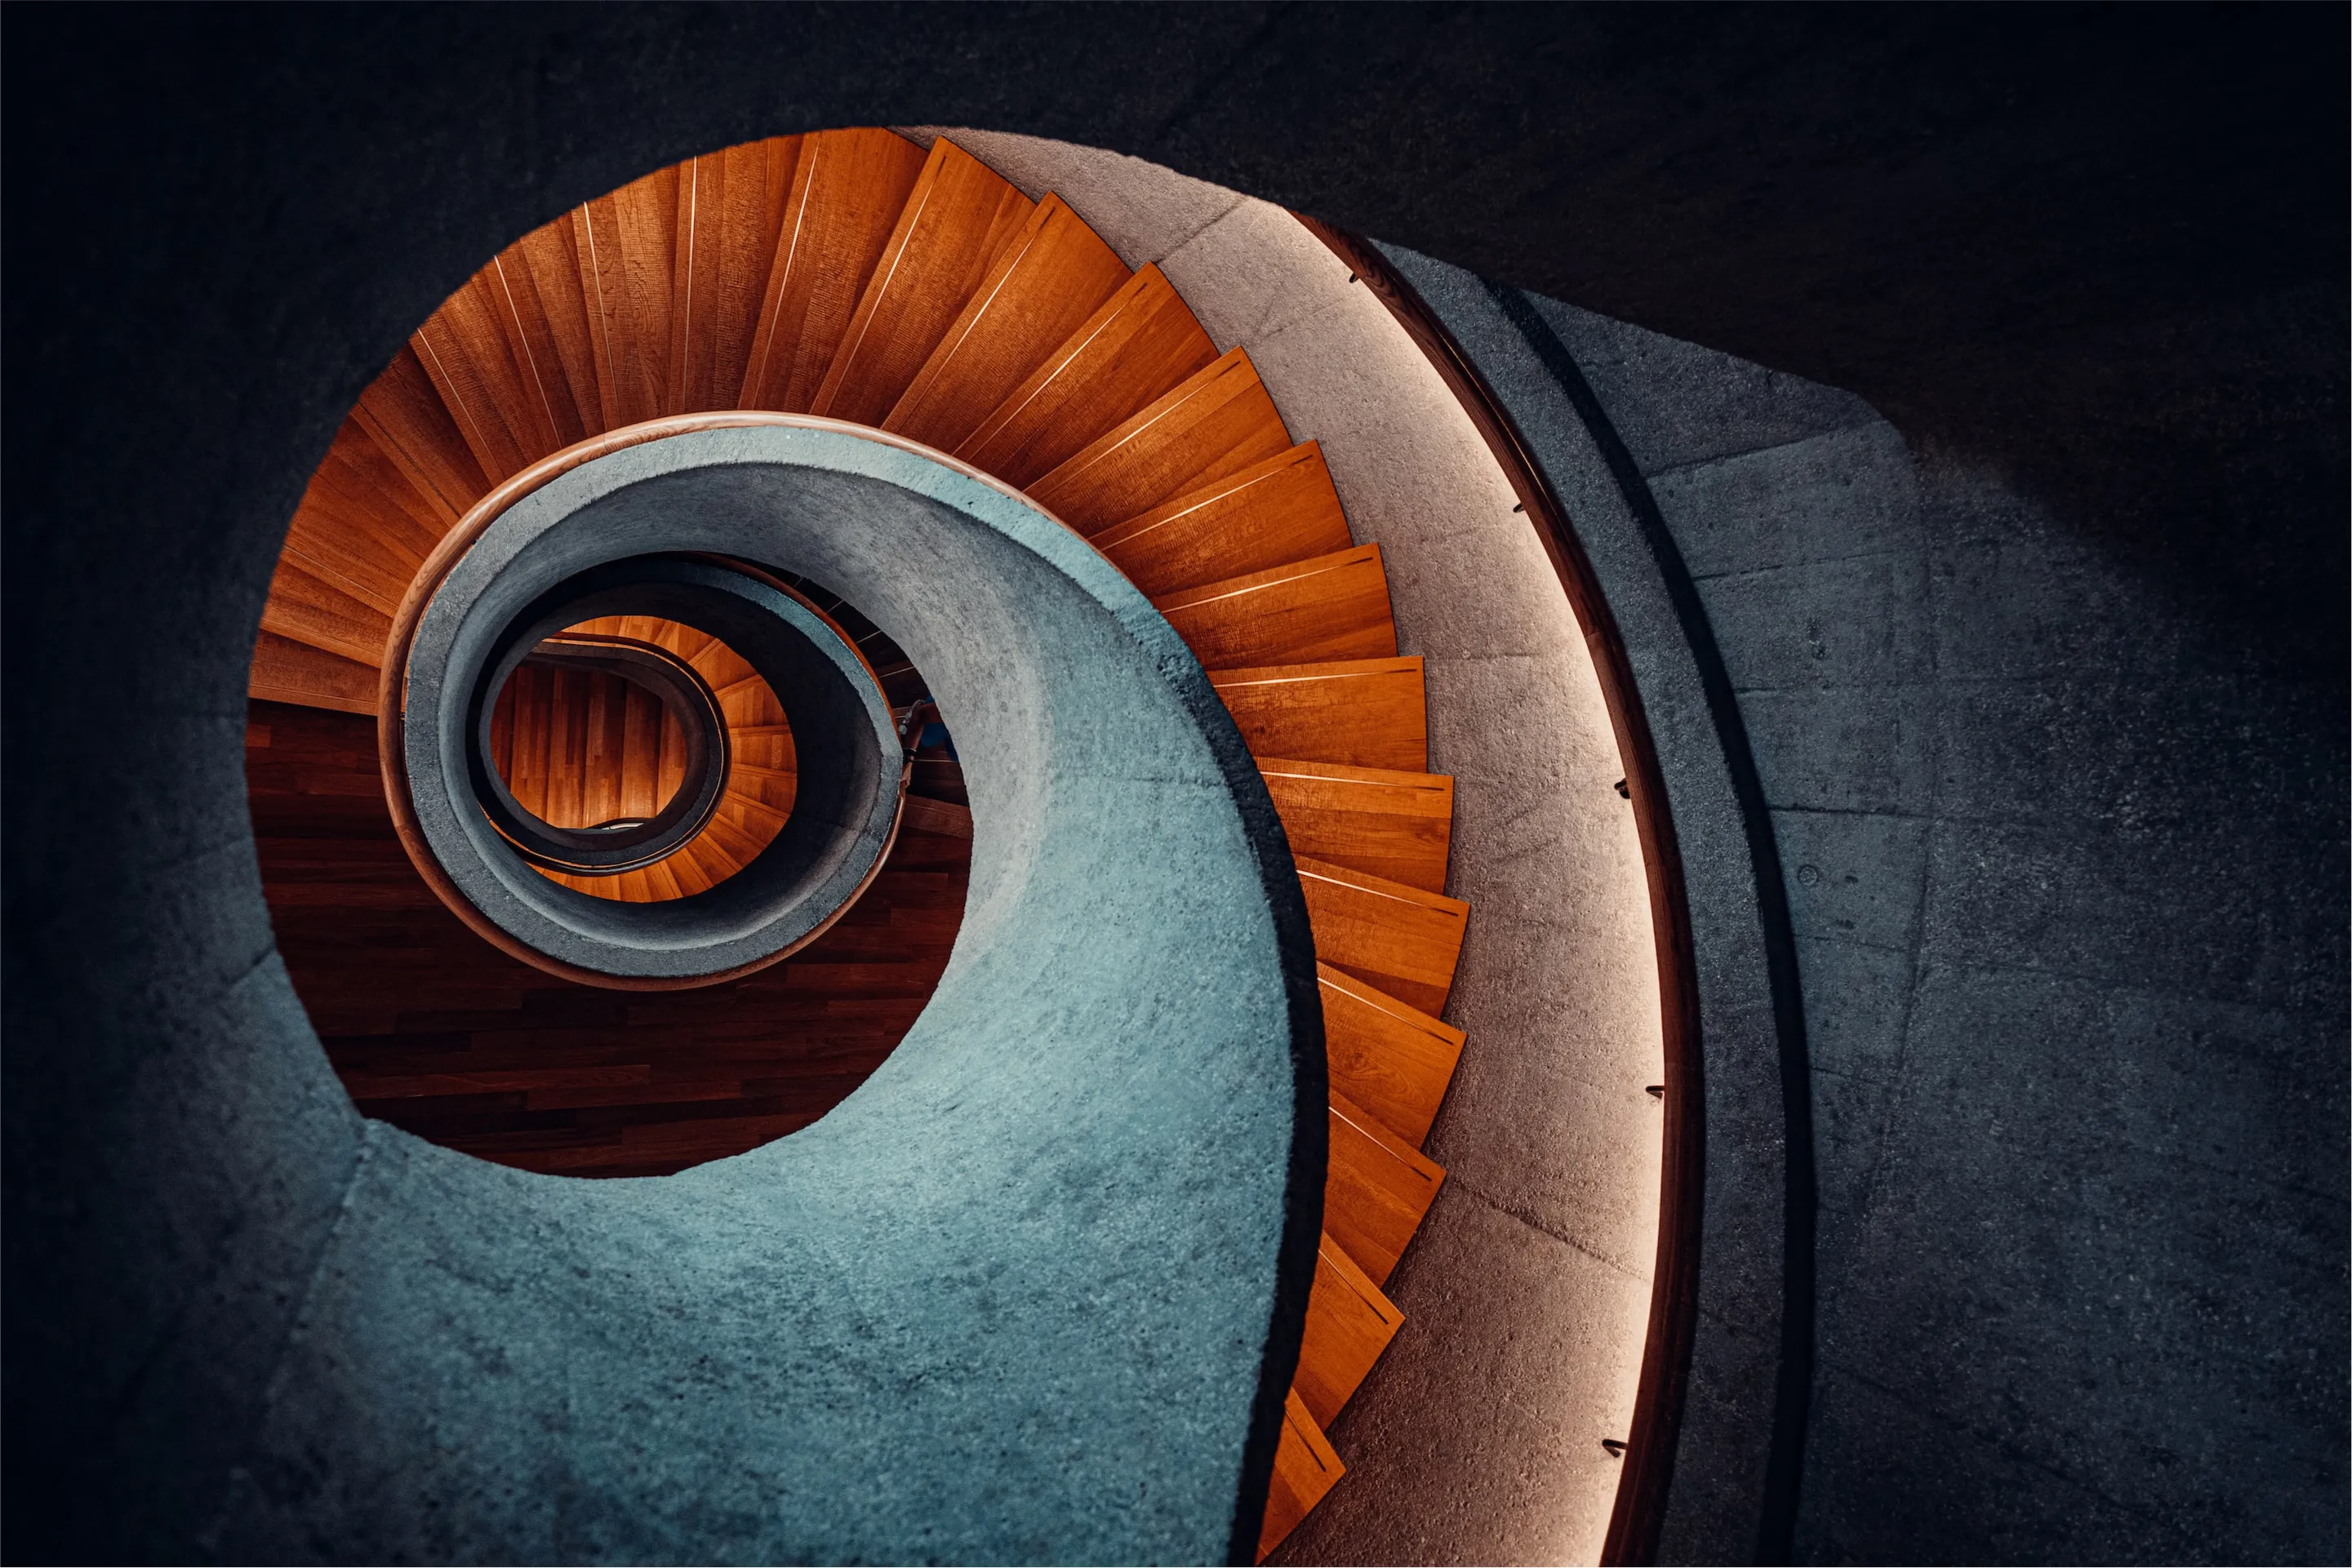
433 1030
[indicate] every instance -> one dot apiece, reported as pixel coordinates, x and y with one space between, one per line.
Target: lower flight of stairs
855 276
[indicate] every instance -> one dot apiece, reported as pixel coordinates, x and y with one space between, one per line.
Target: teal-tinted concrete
1031 1294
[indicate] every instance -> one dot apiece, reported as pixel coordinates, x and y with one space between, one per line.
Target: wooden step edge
1379 1191
309 562
1322 670
1371 1126
1405 939
1252 583
1342 773
288 670
1306 1468
937 165
921 815
1350 1324
1233 361
1216 492
1001 272
1381 886
752 806
1140 284
1407 1116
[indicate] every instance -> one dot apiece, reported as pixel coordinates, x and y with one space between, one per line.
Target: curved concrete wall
1033 1291
2076 1108
2144 852
1478 1436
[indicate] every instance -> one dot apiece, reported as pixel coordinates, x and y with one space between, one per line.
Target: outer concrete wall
2037 228
2066 880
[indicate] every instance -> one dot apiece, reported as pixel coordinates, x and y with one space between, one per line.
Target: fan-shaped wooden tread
854 275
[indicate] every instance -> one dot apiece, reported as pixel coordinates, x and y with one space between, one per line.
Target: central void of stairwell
1030 1293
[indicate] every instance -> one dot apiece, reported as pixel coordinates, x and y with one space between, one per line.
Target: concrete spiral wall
2090 264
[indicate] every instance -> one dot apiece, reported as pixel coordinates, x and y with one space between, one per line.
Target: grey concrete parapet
1742 1416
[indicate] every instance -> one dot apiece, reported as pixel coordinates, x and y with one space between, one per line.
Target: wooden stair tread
1330 607
1219 422
731 211
304 609
1349 1324
848 190
559 325
1045 282
918 814
479 355
1365 712
287 671
404 415
626 245
1394 825
1305 1468
361 515
1392 1059
1379 1188
959 215
1278 510
1142 344
1405 941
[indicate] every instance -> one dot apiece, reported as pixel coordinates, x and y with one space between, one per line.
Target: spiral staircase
849 276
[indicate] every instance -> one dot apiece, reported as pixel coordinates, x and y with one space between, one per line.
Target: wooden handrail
1639 1510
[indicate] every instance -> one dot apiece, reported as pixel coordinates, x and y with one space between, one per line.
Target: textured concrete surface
1717 1503
2098 256
1477 1439
1032 1292
581 531
2066 875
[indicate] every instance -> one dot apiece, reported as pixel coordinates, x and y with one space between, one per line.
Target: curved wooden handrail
1640 1509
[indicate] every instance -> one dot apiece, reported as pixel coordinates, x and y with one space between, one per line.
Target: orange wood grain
1305 1468
307 610
1329 607
1393 1059
620 753
732 206
1366 713
553 322
363 520
626 244
1395 825
1402 940
960 215
1044 285
1219 422
286 671
479 360
1349 1324
848 190
1142 345
411 426
1282 509
1379 1189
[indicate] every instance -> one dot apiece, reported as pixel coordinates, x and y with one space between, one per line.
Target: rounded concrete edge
1727 1495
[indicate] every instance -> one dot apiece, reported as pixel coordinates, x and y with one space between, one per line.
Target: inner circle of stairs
852 276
